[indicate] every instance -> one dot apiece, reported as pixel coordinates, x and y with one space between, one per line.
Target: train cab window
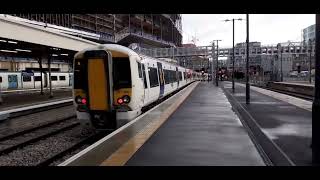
62 78
139 70
37 78
121 72
26 78
144 75
54 78
80 74
153 77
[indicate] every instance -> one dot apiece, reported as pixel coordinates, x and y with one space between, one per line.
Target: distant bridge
207 51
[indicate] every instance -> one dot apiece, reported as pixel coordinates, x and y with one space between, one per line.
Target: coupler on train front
104 120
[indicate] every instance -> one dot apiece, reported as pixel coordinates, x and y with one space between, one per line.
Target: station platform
203 130
20 98
285 120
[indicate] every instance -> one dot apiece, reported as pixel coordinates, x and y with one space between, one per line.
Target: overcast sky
265 28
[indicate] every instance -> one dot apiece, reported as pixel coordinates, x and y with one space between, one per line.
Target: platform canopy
21 31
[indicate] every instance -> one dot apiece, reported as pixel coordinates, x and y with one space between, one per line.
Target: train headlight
78 100
126 99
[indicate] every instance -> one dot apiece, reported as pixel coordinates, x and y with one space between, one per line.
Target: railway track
45 134
74 147
294 94
24 138
298 95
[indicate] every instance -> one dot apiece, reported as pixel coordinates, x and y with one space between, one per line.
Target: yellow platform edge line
127 150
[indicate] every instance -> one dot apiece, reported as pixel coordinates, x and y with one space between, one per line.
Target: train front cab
93 92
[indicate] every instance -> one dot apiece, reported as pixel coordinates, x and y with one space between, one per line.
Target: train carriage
113 83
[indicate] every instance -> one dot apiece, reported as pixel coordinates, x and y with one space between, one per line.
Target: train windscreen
121 72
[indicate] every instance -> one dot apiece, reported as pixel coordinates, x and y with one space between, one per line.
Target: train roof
112 47
130 52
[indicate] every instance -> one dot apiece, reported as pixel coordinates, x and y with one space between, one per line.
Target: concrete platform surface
203 131
284 119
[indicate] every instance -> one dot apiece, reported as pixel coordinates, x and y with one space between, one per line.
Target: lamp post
239 19
217 84
247 74
212 63
280 54
310 49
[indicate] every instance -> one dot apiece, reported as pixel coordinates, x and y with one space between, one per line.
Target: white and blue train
21 80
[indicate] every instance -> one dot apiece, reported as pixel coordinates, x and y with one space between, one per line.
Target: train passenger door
45 79
177 76
146 89
70 79
161 79
13 81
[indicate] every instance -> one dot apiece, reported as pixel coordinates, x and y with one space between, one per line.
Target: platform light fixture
13 42
64 54
54 54
1 40
3 50
23 50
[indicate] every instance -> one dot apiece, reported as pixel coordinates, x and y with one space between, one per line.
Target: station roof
21 31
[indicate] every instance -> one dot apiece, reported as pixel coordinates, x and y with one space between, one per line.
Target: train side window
37 78
172 76
139 70
166 76
26 78
0 79
153 77
62 78
180 76
54 78
144 75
